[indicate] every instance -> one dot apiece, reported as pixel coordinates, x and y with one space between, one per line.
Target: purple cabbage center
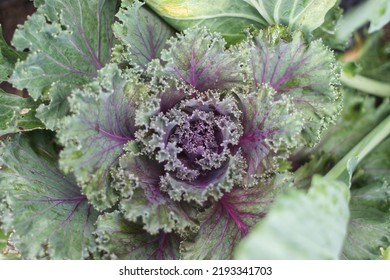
197 139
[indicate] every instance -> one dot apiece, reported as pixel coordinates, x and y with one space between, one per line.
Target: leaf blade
94 136
47 210
17 114
325 213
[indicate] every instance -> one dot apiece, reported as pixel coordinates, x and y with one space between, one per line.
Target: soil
12 13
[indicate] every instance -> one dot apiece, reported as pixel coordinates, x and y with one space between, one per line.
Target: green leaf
327 31
53 113
380 16
369 226
101 124
68 42
142 32
228 17
376 12
50 216
231 17
8 58
120 239
290 66
17 114
302 226
305 15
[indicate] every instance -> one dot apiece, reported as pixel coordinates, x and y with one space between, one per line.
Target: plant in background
153 139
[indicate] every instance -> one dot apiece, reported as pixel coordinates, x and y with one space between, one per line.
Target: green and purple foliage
148 136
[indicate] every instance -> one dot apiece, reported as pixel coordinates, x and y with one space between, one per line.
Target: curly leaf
53 113
194 141
103 122
47 210
69 41
302 226
230 219
121 239
269 126
138 180
291 67
198 58
209 185
143 33
17 114
228 17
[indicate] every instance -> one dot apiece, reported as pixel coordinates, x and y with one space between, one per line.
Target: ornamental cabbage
178 142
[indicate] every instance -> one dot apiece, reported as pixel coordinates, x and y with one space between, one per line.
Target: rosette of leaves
180 142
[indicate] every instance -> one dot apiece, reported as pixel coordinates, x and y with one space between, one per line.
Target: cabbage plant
150 133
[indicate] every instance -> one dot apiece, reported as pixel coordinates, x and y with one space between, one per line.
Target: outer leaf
302 226
8 58
369 226
143 33
139 183
228 17
198 57
296 14
380 17
328 30
290 66
359 116
271 129
121 239
103 122
69 41
48 211
376 12
17 114
227 221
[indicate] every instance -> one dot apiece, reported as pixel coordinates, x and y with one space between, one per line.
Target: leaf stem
364 147
365 84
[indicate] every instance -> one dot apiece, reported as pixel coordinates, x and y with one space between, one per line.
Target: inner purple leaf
199 59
